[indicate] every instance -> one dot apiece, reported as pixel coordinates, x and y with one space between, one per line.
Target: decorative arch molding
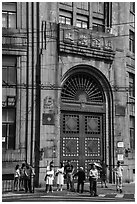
82 87
87 72
94 72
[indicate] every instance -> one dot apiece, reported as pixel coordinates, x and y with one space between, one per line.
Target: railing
7 182
7 185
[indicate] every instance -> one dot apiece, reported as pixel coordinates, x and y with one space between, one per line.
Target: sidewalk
127 189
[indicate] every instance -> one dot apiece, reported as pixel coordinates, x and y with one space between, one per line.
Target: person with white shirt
93 176
49 179
119 173
60 177
16 178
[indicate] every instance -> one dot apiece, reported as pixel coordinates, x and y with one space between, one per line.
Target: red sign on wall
48 119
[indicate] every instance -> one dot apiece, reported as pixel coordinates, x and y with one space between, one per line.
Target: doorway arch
86 118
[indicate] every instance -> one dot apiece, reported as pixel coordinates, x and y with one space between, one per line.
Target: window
8 128
132 132
131 85
66 3
82 21
98 25
65 17
8 15
132 14
9 70
132 7
82 5
98 7
98 16
131 41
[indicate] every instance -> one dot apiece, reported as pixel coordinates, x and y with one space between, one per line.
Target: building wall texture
45 61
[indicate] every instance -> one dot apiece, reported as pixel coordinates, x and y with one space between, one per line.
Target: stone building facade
68 85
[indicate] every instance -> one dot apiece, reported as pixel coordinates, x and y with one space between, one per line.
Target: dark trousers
27 185
82 186
48 187
69 180
93 186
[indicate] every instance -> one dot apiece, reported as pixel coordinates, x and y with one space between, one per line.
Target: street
104 195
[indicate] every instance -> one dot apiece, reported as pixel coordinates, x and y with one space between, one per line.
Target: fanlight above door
83 88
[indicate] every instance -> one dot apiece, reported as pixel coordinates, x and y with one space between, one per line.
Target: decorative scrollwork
82 87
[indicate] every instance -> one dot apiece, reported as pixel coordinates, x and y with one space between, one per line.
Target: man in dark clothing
69 169
27 178
103 174
81 178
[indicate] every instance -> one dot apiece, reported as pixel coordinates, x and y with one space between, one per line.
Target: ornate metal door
81 138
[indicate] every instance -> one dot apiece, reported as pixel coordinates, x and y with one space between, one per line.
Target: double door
82 139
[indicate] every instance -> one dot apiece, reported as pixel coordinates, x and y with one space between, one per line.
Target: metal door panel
81 138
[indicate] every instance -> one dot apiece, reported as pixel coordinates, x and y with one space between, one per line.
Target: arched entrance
84 113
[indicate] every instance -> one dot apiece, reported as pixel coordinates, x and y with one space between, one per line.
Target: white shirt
17 173
50 177
118 170
93 173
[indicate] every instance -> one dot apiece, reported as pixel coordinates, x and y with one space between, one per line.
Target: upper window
8 15
132 132
131 85
65 17
82 5
9 70
131 41
98 25
132 7
98 7
132 14
8 128
66 3
82 21
98 16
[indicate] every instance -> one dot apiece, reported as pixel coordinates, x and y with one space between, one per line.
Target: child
49 179
60 177
81 179
119 171
17 178
93 176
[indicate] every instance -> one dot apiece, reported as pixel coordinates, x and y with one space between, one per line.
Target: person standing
17 178
60 177
69 170
22 188
49 179
93 176
27 178
81 178
49 164
103 174
119 173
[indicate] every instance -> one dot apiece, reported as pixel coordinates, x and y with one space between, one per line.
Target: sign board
120 157
48 103
48 119
120 144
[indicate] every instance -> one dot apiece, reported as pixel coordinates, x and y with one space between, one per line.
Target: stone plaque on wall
48 119
120 110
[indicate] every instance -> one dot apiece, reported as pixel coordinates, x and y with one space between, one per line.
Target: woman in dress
60 177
